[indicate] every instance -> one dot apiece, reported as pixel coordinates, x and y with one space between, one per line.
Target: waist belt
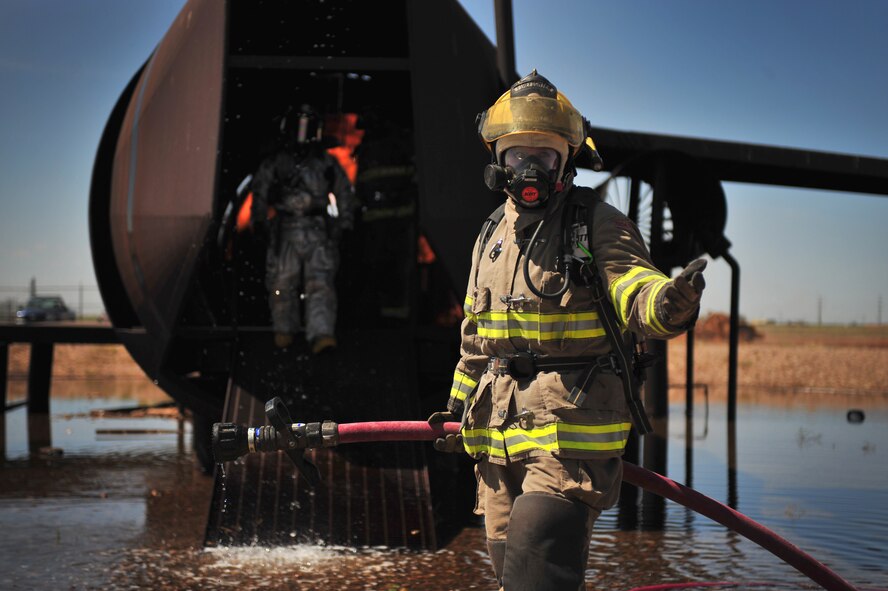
525 365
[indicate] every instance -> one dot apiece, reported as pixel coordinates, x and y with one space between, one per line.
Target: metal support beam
733 496
4 376
689 375
689 409
39 378
627 517
657 384
4 372
733 500
655 456
39 432
505 41
733 338
634 198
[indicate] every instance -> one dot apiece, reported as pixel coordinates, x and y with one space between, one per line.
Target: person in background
543 387
313 202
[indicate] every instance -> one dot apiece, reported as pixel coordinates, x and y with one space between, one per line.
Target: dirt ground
808 361
79 361
795 360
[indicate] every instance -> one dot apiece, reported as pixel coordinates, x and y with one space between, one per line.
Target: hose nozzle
229 442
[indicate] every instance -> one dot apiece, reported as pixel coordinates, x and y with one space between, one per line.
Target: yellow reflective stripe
573 334
627 291
619 281
552 437
651 318
505 315
467 309
462 386
606 428
626 285
521 440
489 441
593 437
511 315
542 327
536 335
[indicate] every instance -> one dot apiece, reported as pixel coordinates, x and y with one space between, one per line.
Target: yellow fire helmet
535 113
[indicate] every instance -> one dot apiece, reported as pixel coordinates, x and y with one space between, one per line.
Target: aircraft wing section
628 152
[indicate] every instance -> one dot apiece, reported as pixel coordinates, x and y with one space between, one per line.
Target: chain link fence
84 300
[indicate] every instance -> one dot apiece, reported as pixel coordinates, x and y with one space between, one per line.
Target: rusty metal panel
454 77
165 165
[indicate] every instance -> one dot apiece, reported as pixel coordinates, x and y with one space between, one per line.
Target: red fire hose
393 431
642 478
231 441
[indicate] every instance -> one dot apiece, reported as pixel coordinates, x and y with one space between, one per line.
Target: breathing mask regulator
534 135
527 175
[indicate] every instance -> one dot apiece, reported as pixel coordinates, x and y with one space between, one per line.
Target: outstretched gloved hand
680 299
692 276
451 442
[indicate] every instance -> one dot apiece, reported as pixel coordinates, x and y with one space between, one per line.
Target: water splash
226 502
273 558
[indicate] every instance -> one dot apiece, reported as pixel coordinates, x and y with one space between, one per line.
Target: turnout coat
508 418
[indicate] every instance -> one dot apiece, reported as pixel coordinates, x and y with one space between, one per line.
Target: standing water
119 503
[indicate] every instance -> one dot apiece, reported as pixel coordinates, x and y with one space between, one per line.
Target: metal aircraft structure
183 282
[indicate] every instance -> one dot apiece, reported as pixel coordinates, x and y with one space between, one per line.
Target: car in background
44 308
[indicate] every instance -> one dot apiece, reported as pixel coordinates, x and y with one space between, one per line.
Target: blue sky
801 74
63 64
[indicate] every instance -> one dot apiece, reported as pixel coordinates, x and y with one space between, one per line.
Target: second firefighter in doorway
313 202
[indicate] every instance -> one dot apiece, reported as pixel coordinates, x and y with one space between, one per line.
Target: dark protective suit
303 236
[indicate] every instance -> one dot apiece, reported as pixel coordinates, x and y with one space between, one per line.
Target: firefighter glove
692 276
679 301
450 443
437 418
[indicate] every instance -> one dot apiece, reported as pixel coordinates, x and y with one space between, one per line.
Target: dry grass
819 362
79 361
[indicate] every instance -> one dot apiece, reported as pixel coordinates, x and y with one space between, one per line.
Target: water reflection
121 512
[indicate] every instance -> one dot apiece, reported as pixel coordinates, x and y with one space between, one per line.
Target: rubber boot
496 549
547 544
322 344
282 340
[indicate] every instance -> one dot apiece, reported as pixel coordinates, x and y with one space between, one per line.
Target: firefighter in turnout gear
541 387
314 202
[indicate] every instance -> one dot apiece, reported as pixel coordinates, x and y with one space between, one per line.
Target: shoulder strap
487 229
585 198
624 355
490 225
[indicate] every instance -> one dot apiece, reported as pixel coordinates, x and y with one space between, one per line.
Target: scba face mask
527 174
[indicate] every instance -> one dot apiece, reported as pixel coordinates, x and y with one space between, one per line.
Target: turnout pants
302 257
539 514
